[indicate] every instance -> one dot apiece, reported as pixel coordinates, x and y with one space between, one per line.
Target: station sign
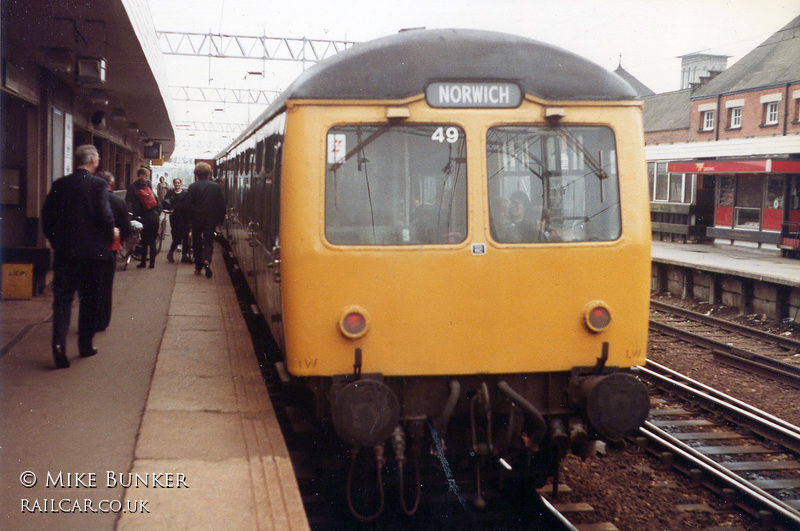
473 95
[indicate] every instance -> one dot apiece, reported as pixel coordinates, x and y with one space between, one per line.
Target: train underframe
500 426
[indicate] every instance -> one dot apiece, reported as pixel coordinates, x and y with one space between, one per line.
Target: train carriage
453 224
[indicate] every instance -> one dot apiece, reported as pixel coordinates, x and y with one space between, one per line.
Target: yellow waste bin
17 281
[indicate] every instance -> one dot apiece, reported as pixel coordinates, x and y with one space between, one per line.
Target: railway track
768 354
745 456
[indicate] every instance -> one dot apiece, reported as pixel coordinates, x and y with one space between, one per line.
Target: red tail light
354 322
597 316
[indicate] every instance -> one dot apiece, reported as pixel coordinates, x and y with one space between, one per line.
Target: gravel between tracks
628 489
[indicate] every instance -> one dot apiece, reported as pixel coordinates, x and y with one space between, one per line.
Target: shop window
747 218
651 174
708 121
676 188
749 200
774 196
661 182
726 190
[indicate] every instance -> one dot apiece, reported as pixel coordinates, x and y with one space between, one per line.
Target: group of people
84 221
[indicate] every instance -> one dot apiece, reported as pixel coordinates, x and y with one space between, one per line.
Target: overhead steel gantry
249 47
220 46
223 95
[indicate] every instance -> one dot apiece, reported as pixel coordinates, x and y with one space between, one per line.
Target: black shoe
87 352
186 260
207 267
142 265
152 265
170 259
61 357
100 329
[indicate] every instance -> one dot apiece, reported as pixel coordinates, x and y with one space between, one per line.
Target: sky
645 36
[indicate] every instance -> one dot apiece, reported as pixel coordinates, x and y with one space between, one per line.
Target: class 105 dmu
448 233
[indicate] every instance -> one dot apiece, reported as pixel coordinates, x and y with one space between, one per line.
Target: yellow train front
459 251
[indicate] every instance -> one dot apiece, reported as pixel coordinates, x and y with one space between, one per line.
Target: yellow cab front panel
473 302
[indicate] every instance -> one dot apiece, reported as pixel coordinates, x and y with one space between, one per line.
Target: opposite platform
743 262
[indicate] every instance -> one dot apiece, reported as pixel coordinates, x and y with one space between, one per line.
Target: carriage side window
395 185
552 184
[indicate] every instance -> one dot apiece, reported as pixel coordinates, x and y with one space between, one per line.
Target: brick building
724 153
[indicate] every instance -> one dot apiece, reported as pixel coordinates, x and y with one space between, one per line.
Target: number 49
441 134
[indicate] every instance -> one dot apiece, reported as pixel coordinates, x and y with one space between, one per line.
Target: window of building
774 195
708 121
676 187
726 190
771 113
735 120
749 200
662 182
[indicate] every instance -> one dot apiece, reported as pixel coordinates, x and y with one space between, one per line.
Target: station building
724 151
74 72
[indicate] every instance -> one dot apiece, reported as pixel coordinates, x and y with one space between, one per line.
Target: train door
273 154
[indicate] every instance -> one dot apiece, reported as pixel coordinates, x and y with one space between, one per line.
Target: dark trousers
149 235
106 290
180 234
202 241
69 275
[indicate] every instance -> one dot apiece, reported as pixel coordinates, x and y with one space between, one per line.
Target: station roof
55 33
668 111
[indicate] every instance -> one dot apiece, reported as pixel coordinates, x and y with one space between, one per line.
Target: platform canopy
81 41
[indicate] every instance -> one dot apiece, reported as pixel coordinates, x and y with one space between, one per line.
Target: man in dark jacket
207 209
77 220
123 222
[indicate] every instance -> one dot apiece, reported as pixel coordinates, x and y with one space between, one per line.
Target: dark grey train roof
402 65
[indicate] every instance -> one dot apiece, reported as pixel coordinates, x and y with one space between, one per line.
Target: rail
760 422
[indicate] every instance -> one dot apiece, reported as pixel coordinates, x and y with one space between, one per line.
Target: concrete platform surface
168 427
741 261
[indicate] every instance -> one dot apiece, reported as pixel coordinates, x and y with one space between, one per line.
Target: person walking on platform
178 220
207 209
123 222
146 207
78 222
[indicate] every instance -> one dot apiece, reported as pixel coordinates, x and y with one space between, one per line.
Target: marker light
353 323
597 316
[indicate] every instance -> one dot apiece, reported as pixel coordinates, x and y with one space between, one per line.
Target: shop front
756 202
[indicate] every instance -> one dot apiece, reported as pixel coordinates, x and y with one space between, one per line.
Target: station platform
740 261
169 426
754 281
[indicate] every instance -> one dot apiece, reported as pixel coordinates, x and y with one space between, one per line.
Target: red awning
736 166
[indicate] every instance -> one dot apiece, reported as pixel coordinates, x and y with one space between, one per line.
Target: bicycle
162 229
131 246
